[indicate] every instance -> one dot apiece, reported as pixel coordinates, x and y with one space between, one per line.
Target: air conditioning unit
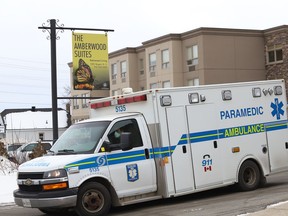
127 90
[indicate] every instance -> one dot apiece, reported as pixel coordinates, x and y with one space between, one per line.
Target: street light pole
53 37
54 79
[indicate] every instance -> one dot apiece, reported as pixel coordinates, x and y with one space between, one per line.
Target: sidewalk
279 209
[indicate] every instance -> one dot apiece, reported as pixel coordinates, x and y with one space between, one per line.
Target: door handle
184 149
215 144
147 155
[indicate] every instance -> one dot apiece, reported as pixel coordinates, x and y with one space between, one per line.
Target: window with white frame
141 66
274 54
41 136
194 82
153 85
84 100
152 62
114 71
166 84
123 69
75 102
192 55
165 58
114 92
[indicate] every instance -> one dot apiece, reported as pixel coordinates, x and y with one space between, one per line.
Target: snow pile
8 183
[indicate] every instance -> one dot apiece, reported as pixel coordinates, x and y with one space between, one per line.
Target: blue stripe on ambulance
161 152
232 132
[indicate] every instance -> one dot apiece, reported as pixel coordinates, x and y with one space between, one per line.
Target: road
226 201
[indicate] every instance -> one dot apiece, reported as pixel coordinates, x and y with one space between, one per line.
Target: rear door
277 139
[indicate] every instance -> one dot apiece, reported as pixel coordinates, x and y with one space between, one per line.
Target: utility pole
53 37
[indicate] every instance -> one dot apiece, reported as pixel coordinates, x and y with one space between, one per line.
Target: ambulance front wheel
249 176
93 200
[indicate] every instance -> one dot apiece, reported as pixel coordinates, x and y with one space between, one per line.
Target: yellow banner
90 61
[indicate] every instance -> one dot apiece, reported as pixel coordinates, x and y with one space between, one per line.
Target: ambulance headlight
60 173
278 90
256 92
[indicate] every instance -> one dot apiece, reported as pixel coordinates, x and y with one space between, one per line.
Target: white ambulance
161 143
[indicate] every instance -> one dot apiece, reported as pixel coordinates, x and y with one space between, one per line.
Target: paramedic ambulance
161 143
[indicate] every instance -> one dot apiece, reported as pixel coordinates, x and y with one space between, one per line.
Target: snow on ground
8 183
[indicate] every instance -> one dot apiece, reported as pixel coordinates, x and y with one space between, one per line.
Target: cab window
129 125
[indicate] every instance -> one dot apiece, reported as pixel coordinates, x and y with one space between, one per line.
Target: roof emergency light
119 101
256 92
270 91
193 98
265 91
165 100
226 95
278 90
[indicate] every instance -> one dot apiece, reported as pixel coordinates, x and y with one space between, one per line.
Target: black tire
93 200
249 176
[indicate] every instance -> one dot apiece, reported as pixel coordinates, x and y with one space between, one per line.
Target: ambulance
161 143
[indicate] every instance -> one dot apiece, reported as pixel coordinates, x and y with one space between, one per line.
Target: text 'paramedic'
243 112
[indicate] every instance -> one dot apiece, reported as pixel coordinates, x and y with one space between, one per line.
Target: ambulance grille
32 188
30 175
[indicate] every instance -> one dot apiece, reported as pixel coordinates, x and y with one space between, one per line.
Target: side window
129 125
29 147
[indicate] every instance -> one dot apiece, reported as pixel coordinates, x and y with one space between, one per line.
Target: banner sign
90 61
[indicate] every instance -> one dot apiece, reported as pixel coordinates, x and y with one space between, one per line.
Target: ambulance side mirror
125 141
106 147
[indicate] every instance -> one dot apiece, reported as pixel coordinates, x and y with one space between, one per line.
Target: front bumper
57 199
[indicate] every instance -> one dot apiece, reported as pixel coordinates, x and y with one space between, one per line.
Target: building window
192 55
85 100
141 66
114 71
41 136
123 69
75 103
274 54
194 82
152 62
166 84
153 85
165 58
114 92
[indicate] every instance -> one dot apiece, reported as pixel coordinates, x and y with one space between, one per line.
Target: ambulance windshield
80 138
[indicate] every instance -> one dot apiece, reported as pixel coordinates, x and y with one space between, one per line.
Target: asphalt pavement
280 209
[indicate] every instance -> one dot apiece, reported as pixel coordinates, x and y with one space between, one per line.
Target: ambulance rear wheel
249 176
93 200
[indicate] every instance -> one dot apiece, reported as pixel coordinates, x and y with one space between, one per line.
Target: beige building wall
224 55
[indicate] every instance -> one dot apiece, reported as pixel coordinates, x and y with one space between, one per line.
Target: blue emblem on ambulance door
277 108
132 172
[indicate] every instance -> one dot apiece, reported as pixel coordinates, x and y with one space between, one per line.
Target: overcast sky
25 74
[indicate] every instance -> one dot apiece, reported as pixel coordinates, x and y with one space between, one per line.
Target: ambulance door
206 149
277 140
181 156
133 171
